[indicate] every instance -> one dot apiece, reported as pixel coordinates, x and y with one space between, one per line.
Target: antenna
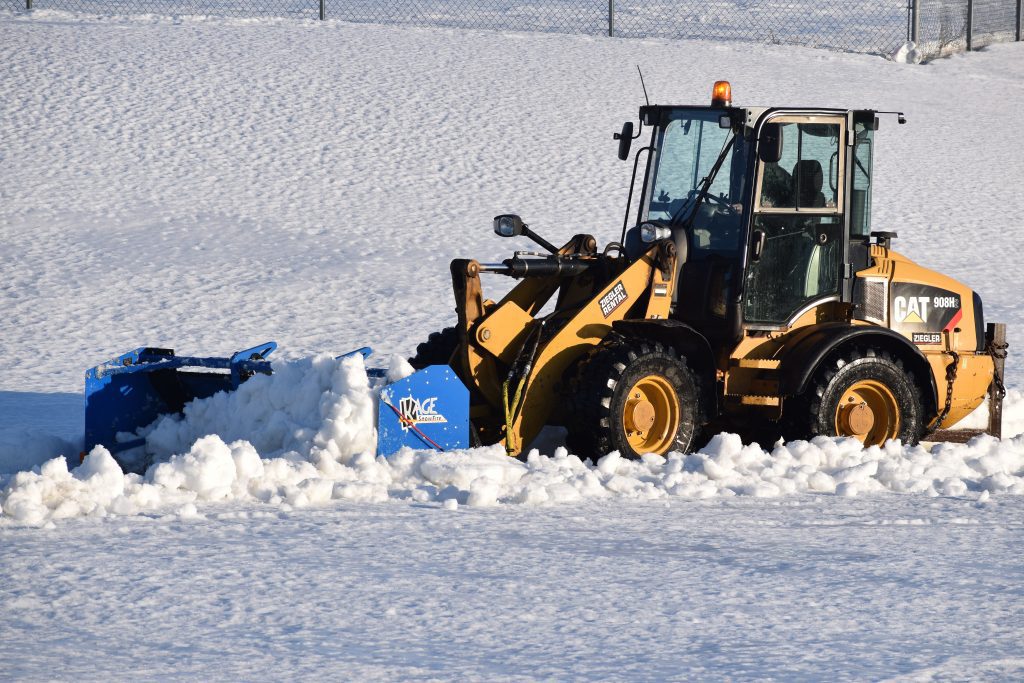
642 84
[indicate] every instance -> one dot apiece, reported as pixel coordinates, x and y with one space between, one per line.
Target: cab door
797 234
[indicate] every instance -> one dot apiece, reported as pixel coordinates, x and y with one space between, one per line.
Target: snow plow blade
129 392
426 410
429 409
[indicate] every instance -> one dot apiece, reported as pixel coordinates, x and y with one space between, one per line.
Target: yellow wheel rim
868 411
650 416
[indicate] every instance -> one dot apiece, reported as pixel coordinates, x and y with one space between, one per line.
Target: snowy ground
211 184
805 588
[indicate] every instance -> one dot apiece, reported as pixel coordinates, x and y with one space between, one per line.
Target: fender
686 340
802 359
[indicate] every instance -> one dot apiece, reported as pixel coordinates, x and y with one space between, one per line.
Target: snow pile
307 409
305 436
908 53
53 492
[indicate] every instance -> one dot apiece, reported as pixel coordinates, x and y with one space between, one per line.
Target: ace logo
416 411
911 309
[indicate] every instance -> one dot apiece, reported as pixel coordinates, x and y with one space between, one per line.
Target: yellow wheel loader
748 293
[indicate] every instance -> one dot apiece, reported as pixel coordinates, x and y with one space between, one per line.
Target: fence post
323 9
28 6
1020 18
970 23
611 18
915 21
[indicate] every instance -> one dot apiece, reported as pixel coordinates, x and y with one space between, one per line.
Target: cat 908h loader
750 294
750 291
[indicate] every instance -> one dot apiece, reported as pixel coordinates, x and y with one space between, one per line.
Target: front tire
437 350
634 396
866 394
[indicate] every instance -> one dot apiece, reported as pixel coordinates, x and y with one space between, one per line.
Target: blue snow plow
426 410
429 409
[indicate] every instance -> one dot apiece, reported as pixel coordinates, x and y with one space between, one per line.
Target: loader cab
771 208
698 187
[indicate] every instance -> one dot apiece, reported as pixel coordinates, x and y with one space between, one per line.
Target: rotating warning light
721 94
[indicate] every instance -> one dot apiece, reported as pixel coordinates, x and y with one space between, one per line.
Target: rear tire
437 350
634 396
863 393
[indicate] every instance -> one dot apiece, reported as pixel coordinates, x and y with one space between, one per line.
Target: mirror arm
539 240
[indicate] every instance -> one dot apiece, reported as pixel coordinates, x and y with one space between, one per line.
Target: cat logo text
911 309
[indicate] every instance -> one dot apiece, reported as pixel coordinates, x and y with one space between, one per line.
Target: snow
909 53
305 436
903 587
314 407
194 184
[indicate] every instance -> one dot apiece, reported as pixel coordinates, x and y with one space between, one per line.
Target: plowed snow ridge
305 436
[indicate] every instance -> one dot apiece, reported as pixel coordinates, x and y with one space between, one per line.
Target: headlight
649 232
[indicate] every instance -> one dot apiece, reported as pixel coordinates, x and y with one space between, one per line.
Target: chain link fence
995 21
555 16
871 26
948 26
300 9
867 26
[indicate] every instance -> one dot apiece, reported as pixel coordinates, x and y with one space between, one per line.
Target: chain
951 371
997 351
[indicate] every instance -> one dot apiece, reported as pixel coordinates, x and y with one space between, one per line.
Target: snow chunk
208 470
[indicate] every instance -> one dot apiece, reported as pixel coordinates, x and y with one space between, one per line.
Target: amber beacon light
721 94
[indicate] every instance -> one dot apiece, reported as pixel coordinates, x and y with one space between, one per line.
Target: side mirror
769 146
625 139
508 225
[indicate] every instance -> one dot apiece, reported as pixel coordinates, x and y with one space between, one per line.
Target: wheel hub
869 412
640 415
859 418
651 415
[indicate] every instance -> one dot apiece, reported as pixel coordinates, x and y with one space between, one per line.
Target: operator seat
822 265
807 183
777 186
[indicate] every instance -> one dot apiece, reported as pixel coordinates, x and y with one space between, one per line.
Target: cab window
798 223
806 178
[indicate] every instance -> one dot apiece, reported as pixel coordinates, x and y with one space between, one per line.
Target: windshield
687 149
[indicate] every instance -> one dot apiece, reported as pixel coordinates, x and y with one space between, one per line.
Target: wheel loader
748 292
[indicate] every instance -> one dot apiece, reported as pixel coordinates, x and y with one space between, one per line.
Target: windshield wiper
705 185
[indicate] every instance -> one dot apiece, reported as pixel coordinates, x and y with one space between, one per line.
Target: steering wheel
723 203
713 198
